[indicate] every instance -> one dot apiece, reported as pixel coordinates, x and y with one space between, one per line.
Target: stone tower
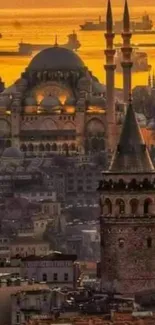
127 219
126 54
110 82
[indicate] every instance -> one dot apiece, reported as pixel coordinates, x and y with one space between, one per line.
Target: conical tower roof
131 154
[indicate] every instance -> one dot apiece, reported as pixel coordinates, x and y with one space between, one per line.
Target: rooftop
51 257
131 154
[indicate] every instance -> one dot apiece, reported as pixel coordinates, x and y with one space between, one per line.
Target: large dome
56 58
12 152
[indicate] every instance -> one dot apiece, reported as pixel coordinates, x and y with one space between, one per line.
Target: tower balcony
123 186
127 219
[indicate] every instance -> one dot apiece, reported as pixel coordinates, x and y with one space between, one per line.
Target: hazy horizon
66 3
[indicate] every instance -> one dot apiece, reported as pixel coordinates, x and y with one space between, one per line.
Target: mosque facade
57 105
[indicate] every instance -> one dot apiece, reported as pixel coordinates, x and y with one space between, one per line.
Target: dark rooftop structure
131 154
56 58
50 257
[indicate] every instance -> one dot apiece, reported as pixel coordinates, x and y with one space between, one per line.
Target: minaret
149 81
126 54
110 84
153 80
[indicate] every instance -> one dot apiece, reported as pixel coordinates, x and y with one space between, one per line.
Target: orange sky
66 3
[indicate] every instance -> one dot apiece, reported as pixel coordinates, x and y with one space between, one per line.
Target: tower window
134 206
147 206
121 243
107 207
120 204
149 242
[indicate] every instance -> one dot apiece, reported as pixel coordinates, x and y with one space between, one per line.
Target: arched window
134 203
149 242
72 147
133 184
8 143
121 242
65 147
30 147
23 147
44 277
47 147
41 147
54 147
120 206
147 206
102 144
107 207
121 184
95 144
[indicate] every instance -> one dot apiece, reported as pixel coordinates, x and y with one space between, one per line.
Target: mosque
57 105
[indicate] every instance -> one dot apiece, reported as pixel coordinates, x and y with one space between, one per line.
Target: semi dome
98 88
4 101
12 152
30 101
56 58
97 101
70 101
50 101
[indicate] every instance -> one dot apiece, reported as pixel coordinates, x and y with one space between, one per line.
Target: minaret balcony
110 52
126 34
109 35
126 50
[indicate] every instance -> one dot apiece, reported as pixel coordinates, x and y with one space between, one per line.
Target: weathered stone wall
128 253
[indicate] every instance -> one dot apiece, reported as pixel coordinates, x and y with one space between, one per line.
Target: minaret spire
126 18
109 18
149 80
110 74
126 53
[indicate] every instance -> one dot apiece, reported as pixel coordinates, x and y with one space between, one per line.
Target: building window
44 277
65 276
121 243
44 298
149 242
55 276
18 318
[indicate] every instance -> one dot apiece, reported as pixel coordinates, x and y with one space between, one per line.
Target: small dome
4 101
30 101
141 119
151 125
56 58
70 101
21 82
12 152
98 88
97 101
50 102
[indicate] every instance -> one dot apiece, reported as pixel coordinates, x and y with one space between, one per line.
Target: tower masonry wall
128 253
